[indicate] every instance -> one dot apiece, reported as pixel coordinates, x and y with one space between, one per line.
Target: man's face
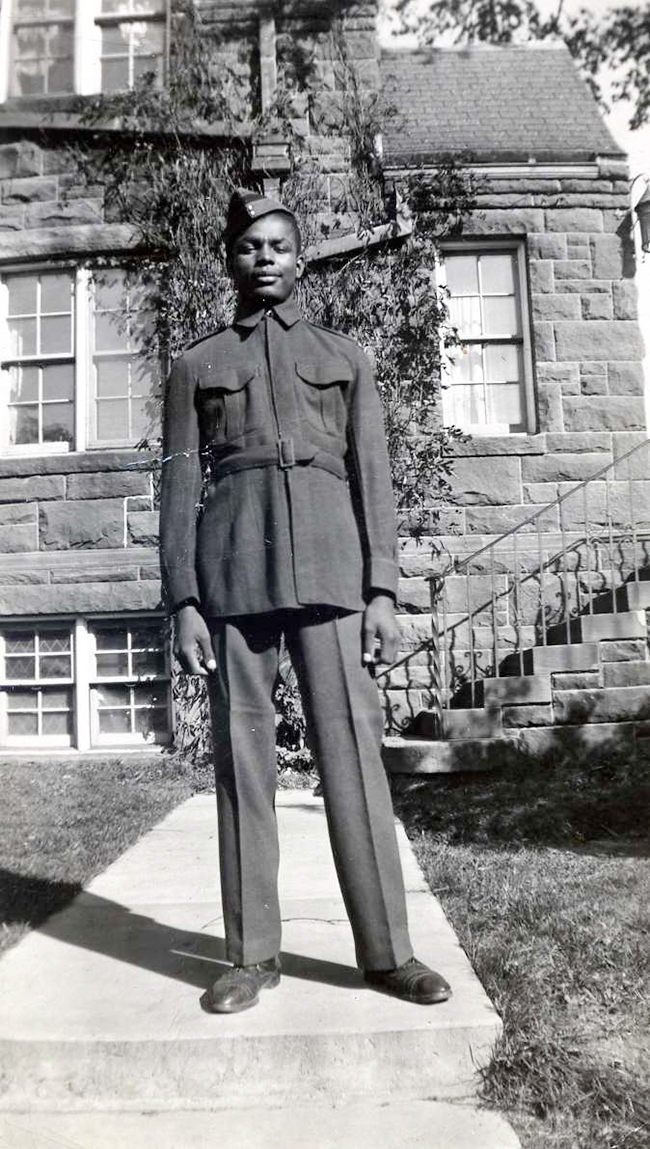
265 262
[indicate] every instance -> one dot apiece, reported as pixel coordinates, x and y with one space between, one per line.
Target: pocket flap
325 374
224 377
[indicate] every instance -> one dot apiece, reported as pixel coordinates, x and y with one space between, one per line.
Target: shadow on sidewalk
109 928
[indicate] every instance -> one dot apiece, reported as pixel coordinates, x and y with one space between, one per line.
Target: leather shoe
412 981
239 988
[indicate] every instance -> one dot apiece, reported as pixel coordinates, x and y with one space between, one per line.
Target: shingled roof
493 105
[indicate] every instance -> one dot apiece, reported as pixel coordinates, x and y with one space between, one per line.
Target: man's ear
300 266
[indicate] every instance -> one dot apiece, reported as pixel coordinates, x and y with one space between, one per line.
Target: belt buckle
286 454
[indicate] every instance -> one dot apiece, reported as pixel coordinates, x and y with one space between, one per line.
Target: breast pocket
229 401
322 392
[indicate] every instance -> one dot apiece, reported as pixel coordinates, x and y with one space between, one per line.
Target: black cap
245 207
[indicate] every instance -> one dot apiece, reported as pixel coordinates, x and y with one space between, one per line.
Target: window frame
82 358
479 245
87 22
84 724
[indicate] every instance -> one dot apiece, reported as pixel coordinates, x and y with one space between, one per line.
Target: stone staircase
592 690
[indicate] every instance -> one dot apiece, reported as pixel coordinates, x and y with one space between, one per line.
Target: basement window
488 389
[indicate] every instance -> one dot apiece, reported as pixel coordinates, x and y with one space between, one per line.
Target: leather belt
283 453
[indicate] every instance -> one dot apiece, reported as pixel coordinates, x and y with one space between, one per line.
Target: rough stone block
506 221
83 524
543 340
626 624
576 441
625 299
632 445
413 595
514 689
638 595
572 269
558 373
599 501
623 650
553 306
150 572
603 413
55 214
109 484
540 493
18 513
618 339
482 445
573 656
579 251
12 217
626 378
584 286
28 190
626 674
577 219
19 159
15 539
529 714
549 407
563 467
498 520
596 306
143 528
593 385
606 257
36 487
83 573
593 367
414 630
471 723
584 680
540 274
486 481
78 598
622 704
543 246
23 577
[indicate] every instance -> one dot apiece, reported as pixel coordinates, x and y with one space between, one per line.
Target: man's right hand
192 642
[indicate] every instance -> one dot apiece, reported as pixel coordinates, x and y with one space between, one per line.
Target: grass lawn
544 871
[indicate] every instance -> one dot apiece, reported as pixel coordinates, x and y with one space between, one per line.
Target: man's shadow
102 926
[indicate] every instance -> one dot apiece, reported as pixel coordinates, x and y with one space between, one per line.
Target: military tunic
276 490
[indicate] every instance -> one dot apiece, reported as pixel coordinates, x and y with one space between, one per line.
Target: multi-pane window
73 373
488 385
54 47
38 375
84 683
36 669
123 379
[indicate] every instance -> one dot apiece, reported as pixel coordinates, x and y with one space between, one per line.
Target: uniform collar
286 312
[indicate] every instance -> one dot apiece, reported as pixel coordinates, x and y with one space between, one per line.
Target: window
73 375
489 385
54 47
85 683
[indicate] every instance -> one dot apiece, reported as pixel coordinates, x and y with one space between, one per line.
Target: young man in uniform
274 429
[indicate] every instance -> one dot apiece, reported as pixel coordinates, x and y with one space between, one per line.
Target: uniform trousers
344 726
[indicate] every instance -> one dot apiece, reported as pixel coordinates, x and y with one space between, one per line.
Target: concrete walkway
103 1039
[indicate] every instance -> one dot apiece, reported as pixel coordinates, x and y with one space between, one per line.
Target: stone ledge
481 445
79 560
123 597
124 459
73 239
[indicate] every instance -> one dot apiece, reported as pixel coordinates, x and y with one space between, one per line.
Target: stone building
549 382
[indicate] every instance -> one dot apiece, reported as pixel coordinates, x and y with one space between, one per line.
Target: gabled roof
492 104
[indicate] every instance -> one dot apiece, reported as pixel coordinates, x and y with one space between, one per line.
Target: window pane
29 78
112 419
498 274
147 636
501 315
56 666
56 699
23 384
154 721
503 363
141 421
110 334
465 314
111 638
56 293
23 425
22 700
31 42
57 723
112 378
22 294
462 274
467 405
58 423
22 724
115 75
113 696
150 695
114 721
109 290
467 364
54 642
58 381
505 404
112 665
22 337
19 642
149 662
56 334
20 667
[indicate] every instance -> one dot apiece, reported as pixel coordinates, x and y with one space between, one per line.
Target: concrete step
431 756
397 1125
625 624
626 673
101 1006
474 722
638 595
577 656
614 704
512 689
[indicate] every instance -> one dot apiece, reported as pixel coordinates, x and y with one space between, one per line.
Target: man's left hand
381 636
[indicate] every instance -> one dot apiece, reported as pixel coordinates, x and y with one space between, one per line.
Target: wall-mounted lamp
642 210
